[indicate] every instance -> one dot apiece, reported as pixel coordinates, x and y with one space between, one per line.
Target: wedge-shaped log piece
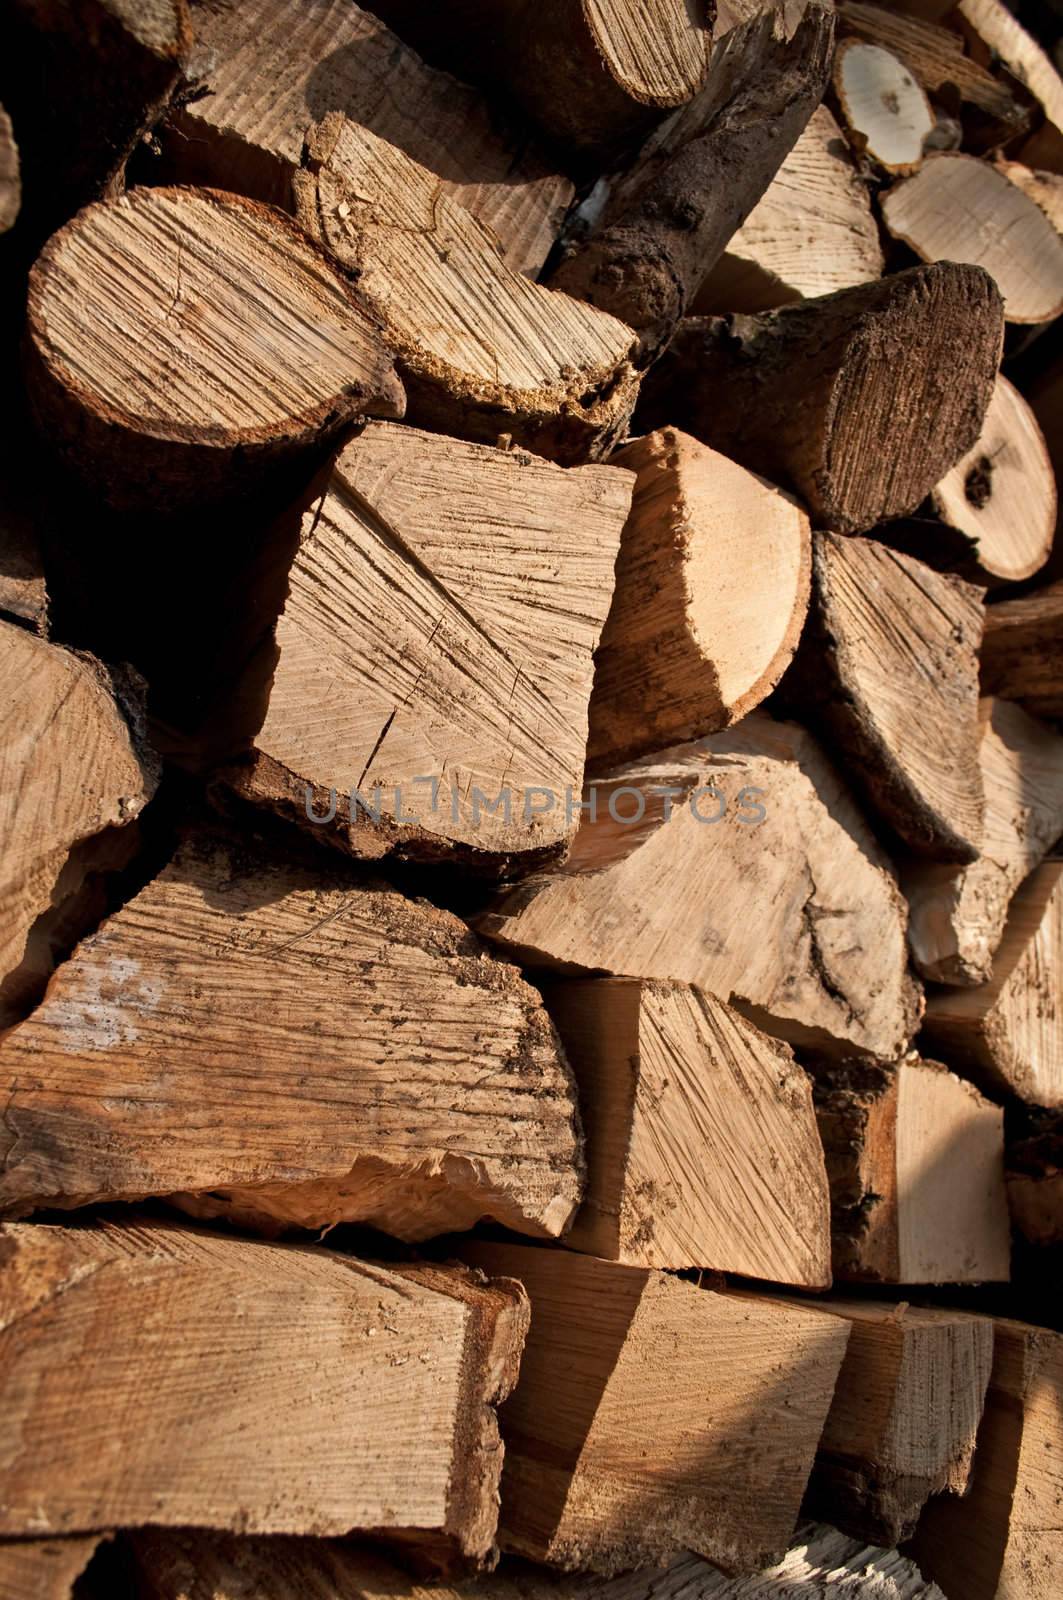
435 649
711 594
388 1379
702 1146
997 38
43 1569
384 1069
1003 1538
886 634
957 913
886 112
10 184
1022 654
915 1161
958 208
738 863
279 65
183 340
640 1390
76 771
1035 1184
1006 1033
482 350
868 363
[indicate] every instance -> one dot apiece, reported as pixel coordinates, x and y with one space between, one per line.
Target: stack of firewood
532 733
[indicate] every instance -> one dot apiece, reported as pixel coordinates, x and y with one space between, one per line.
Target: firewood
957 207
1044 188
711 594
389 1380
23 586
1022 653
433 662
482 350
43 1569
646 261
702 1147
262 356
995 37
886 112
887 633
869 363
1006 1033
10 184
914 1158
1034 1175
385 1070
277 66
694 871
957 913
638 1389
812 233
1003 1538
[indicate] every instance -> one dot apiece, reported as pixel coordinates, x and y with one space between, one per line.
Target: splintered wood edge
918 111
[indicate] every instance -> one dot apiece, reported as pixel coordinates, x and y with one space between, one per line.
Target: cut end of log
888 115
656 54
1022 653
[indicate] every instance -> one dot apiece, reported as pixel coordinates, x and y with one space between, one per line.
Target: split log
958 208
43 1569
1034 1175
482 350
385 1070
1003 1538
908 362
263 355
914 1158
711 594
957 914
995 36
277 66
886 112
433 663
812 233
646 261
392 1376
76 773
887 633
1006 1032
23 586
1044 188
10 183
702 1147
1022 654
639 1390
739 864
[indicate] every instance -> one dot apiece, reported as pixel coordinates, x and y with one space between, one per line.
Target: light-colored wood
1007 1032
995 35
482 350
755 878
1022 653
1003 1539
711 594
1044 188
278 66
958 208
74 773
638 1390
1035 1184
434 654
702 1147
280 1045
957 913
812 233
886 112
656 53
915 1162
184 339
176 1377
10 184
43 1569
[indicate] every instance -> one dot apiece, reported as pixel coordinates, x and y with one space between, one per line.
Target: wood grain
1022 656
43 1569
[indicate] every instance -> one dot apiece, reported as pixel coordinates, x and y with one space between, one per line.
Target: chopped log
10 183
648 258
693 870
1006 1032
958 208
908 362
1044 188
43 1569
433 663
392 1381
23 587
639 1389
262 356
482 351
702 1147
711 594
386 1071
996 37
886 112
277 66
1034 1176
1003 1538
914 1158
1022 653
957 913
812 233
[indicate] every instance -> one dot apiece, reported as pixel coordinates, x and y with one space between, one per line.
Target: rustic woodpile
531 833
